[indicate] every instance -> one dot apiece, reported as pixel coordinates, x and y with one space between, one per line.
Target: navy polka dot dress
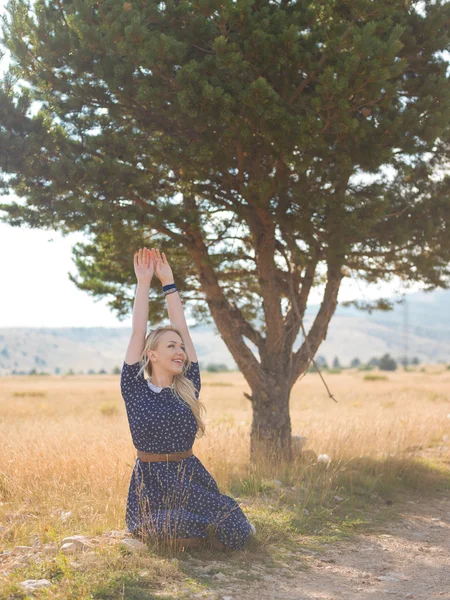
177 499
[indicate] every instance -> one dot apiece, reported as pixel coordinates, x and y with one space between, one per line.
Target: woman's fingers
142 257
149 257
145 256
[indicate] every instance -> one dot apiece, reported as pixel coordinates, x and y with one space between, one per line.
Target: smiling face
169 354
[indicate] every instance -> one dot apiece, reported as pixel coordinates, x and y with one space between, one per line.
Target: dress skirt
181 499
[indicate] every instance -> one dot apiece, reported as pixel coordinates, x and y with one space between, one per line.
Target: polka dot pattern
180 498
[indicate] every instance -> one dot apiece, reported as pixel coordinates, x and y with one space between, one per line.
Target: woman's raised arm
144 269
174 304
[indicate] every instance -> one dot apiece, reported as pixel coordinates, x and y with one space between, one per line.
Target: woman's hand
162 268
144 265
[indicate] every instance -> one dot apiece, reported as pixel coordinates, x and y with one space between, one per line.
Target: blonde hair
182 386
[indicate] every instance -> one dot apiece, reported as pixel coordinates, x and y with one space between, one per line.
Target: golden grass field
65 444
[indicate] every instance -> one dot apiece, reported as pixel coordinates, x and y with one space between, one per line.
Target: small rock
227 597
133 545
115 533
338 498
69 548
220 576
327 560
50 548
34 584
323 458
277 483
80 542
23 548
76 539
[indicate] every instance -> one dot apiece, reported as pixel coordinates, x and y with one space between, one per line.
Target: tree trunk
270 439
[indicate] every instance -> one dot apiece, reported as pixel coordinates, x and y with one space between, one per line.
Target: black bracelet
169 286
170 291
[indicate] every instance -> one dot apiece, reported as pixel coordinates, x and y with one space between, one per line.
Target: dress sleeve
193 373
130 382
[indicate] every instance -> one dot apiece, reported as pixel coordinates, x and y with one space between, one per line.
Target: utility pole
405 333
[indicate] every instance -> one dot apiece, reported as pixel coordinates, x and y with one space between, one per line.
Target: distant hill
351 334
424 325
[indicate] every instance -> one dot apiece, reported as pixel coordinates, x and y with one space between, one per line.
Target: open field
66 459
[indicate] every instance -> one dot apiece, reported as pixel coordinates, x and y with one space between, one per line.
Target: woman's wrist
144 282
167 281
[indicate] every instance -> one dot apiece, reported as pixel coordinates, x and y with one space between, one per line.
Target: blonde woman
171 496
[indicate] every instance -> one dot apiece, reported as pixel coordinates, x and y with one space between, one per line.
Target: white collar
154 387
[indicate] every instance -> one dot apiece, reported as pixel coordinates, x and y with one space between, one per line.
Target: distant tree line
384 363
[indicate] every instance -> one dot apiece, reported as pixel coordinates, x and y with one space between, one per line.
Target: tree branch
319 328
228 319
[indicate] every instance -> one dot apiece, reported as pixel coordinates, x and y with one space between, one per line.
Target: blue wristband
169 286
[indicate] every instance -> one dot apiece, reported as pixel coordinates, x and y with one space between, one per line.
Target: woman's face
170 352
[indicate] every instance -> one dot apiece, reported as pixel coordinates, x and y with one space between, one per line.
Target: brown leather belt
149 457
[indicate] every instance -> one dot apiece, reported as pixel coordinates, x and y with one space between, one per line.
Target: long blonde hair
182 386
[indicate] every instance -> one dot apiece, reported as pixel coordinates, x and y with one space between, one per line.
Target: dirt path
411 559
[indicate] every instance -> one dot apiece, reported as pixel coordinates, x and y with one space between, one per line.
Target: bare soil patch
409 559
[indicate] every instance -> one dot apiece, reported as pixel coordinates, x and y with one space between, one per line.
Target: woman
171 495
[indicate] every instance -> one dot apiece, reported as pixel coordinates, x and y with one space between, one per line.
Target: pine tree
235 137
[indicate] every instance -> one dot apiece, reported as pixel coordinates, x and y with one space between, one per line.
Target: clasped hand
148 262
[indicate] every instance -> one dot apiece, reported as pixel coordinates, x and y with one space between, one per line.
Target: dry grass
66 443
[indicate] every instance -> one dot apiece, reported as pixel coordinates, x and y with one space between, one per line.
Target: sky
37 292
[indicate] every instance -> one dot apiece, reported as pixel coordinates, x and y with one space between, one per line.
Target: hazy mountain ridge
351 334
